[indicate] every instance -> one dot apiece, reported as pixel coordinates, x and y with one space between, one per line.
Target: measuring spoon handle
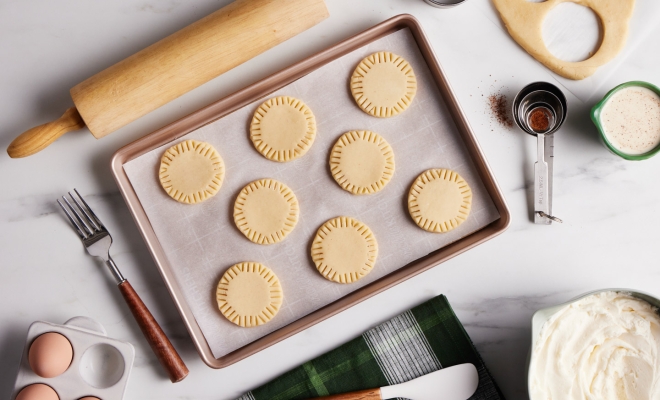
541 182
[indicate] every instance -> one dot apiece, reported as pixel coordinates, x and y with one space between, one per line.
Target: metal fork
97 241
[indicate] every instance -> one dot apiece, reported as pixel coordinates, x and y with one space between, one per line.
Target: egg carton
100 367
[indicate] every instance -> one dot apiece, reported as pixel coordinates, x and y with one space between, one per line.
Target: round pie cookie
383 84
283 129
439 200
344 250
191 171
362 162
249 294
266 211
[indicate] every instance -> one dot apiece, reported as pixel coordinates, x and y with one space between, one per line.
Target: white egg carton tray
100 366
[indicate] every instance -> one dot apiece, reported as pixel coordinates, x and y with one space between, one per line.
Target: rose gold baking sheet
194 245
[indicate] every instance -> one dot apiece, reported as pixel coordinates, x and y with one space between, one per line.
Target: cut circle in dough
344 250
439 200
249 294
191 171
383 84
266 211
283 129
524 19
362 162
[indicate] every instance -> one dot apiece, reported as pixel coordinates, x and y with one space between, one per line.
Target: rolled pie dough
266 211
362 162
383 84
524 21
344 250
191 171
249 294
439 200
283 129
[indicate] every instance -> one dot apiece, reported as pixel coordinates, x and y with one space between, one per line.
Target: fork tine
89 219
83 225
73 222
94 217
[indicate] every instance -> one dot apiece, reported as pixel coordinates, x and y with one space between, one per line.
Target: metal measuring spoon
539 109
444 3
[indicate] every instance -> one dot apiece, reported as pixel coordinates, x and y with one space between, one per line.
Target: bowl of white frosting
628 120
601 345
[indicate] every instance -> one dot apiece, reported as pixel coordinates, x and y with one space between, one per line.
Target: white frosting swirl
602 347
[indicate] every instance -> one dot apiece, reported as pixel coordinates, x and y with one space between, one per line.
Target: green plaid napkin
422 340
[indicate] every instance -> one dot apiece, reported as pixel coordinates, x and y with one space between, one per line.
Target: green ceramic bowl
595 117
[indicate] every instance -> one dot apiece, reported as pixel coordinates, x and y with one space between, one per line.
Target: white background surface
610 206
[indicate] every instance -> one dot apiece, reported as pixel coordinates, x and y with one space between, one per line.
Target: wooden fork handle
160 344
369 394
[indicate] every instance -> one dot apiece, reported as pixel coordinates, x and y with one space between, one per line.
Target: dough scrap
439 200
266 211
362 162
344 250
249 294
383 84
524 21
191 171
283 129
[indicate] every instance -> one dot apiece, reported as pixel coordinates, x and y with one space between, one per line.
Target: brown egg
50 355
37 391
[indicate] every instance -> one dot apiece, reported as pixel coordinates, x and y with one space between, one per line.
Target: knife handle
40 137
369 394
160 344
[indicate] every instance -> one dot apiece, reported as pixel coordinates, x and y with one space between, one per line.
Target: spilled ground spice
499 109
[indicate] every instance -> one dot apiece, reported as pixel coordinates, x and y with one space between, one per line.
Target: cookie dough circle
362 162
266 211
283 129
191 171
439 200
344 250
383 84
249 294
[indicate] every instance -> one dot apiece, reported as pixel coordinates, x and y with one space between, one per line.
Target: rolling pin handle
40 137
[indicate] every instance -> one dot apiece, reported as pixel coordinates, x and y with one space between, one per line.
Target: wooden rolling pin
173 66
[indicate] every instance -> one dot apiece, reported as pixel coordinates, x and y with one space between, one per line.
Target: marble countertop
610 206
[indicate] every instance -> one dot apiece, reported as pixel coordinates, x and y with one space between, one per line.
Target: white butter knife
454 383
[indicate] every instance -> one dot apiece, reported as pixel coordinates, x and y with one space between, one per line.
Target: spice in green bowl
628 120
